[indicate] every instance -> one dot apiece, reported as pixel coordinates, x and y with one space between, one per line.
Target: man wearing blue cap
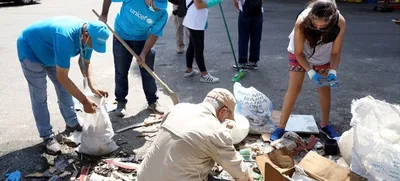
139 23
45 49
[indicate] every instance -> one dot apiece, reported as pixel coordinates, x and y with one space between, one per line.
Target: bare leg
325 103
294 89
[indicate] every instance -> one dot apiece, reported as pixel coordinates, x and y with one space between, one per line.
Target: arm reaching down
65 81
63 49
224 153
336 51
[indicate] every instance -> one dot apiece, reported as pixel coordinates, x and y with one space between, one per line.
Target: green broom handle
229 36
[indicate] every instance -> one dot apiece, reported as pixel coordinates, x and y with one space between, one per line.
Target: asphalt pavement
369 65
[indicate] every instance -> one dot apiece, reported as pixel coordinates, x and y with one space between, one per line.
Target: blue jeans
35 74
249 28
122 63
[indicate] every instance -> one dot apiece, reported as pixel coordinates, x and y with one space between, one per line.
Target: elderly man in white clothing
191 139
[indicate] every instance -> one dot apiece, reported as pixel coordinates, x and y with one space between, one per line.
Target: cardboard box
280 162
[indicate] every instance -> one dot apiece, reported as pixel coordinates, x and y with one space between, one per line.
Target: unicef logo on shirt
149 21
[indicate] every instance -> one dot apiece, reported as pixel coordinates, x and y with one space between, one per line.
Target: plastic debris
13 176
61 163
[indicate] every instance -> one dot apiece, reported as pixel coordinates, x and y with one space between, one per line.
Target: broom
241 73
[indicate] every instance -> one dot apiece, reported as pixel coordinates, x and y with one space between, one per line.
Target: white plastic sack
376 149
256 107
240 128
345 144
97 132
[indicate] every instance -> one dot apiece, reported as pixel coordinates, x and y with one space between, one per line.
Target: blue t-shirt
52 41
136 21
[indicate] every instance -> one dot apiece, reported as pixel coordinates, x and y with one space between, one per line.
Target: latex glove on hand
332 79
316 78
212 3
14 176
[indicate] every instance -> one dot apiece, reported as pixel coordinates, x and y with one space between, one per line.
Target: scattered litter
96 177
36 175
53 178
61 163
299 175
133 158
74 175
280 162
126 165
13 176
121 176
105 169
84 172
318 145
285 142
302 124
246 154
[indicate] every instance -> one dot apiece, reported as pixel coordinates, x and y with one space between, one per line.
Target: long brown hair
320 9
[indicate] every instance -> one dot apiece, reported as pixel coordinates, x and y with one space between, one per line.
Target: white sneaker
209 78
192 73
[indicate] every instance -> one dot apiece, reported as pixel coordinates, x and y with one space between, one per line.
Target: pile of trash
368 151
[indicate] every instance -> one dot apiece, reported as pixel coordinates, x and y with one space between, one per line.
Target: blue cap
161 4
99 34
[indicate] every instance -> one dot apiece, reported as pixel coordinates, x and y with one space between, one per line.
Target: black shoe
242 66
121 109
156 107
52 146
72 129
252 65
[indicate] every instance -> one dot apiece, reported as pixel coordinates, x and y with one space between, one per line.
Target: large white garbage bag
376 149
97 131
256 107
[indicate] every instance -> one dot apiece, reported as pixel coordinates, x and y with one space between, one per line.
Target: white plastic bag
97 132
345 144
376 149
256 107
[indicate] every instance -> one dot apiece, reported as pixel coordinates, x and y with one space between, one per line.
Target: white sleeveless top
195 19
322 53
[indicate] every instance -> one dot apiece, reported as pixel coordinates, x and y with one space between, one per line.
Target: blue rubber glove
316 78
14 176
211 3
332 78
